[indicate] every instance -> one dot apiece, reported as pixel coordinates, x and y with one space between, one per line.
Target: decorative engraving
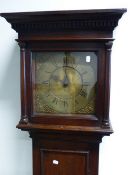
64 82
40 107
90 107
43 108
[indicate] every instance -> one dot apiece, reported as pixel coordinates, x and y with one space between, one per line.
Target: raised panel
55 162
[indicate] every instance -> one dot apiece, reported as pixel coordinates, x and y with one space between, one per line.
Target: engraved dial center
65 82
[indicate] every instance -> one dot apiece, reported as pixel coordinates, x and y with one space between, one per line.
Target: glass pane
64 82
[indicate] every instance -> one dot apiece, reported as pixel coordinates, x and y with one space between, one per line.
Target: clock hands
66 62
66 59
66 80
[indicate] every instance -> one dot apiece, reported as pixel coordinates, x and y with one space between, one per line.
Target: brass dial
65 83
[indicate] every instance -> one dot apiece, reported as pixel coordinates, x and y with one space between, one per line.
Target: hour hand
65 81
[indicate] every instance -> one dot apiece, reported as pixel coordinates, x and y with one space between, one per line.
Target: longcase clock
65 86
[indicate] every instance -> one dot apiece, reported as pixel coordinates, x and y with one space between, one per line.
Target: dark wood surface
72 140
83 23
75 153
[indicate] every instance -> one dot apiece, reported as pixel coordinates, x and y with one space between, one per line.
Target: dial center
65 82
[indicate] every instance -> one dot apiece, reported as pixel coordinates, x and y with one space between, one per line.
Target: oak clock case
65 86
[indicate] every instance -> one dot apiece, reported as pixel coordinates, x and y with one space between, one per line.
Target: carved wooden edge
85 25
59 21
62 129
108 49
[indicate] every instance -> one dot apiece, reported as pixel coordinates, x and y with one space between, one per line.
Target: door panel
64 163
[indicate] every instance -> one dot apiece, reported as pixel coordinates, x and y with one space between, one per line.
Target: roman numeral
45 82
85 72
55 100
76 102
65 103
48 72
